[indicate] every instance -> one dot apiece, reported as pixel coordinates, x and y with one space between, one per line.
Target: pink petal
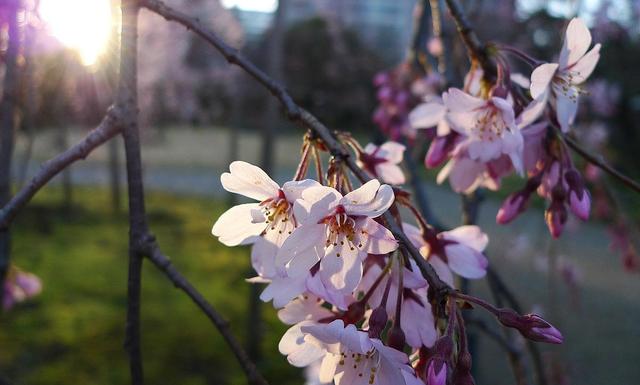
375 238
427 115
465 174
390 173
469 235
567 107
341 268
466 261
457 100
318 203
302 249
365 201
392 151
293 190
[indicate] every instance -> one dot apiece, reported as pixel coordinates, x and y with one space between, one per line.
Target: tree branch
300 116
108 128
162 262
599 161
138 228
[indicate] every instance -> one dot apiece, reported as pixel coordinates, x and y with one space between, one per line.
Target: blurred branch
8 123
598 160
162 262
108 128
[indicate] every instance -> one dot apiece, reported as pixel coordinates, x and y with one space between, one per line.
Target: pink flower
430 114
489 126
383 161
531 326
458 250
560 82
338 232
266 224
437 373
348 355
18 287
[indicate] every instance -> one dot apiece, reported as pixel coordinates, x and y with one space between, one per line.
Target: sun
82 25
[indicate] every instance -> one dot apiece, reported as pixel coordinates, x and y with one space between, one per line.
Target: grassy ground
73 332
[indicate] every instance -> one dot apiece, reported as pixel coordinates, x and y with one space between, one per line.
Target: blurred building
382 24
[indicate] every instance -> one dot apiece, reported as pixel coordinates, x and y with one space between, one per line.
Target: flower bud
531 326
437 372
580 206
437 153
354 313
396 338
377 322
511 207
462 371
556 215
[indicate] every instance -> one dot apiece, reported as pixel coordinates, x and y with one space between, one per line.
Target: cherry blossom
383 161
338 232
266 224
19 286
560 82
458 250
348 355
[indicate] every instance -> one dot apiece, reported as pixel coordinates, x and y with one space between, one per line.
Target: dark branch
161 261
108 128
599 161
300 116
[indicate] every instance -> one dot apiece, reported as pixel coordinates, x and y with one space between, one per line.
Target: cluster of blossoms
494 127
360 309
19 286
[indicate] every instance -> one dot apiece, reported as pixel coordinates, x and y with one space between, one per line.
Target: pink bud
580 207
511 207
437 372
396 338
556 218
29 283
531 326
377 322
437 153
381 78
385 94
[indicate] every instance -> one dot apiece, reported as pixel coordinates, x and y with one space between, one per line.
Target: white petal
375 238
293 189
263 255
567 107
464 174
585 66
520 80
531 112
249 180
328 368
370 200
282 289
298 252
457 100
300 353
393 151
319 202
540 79
577 41
236 227
327 333
341 268
390 173
465 261
427 115
469 235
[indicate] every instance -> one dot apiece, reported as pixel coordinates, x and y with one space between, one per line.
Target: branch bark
163 263
138 228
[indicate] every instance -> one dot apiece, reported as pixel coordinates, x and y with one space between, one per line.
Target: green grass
73 332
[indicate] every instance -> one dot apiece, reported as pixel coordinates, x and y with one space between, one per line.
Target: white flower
338 232
382 161
266 224
349 356
561 81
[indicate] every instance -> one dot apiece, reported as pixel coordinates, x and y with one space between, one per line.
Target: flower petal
375 238
469 235
585 66
293 189
427 115
341 268
465 261
576 42
541 78
236 227
300 251
370 200
249 180
567 107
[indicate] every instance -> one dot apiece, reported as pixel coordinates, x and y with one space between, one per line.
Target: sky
252 5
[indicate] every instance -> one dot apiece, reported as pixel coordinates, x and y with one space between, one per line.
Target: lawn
73 332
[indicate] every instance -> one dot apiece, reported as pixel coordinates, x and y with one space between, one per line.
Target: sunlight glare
82 25
252 5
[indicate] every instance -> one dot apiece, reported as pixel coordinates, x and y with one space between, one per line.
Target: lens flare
82 25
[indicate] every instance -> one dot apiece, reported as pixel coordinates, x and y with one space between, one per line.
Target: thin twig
599 161
108 128
162 262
